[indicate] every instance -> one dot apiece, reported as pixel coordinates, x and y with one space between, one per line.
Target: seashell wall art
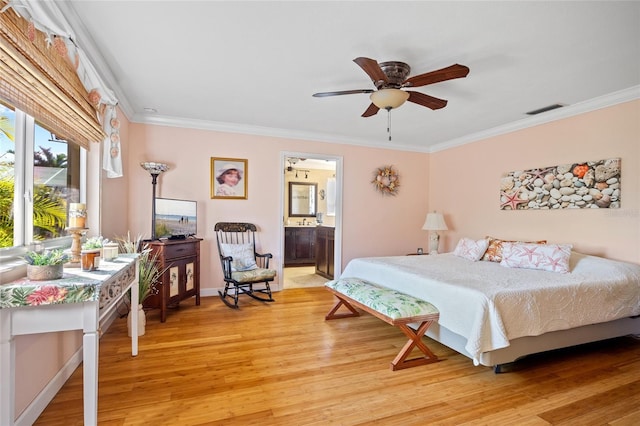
586 185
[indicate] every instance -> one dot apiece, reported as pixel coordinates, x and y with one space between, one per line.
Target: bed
495 315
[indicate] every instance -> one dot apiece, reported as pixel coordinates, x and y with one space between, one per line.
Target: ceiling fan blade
448 73
343 92
426 100
372 68
372 110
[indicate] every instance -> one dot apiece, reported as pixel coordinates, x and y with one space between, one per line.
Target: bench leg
415 340
341 302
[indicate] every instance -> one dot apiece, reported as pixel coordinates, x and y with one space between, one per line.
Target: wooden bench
392 307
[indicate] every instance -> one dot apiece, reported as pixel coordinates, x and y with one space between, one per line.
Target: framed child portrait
229 178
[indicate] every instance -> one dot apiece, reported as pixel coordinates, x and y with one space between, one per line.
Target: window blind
38 77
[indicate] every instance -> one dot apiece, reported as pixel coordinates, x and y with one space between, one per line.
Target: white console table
78 301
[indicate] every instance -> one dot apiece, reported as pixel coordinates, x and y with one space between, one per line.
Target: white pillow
242 254
470 249
547 257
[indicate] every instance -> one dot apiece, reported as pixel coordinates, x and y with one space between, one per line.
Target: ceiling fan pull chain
389 123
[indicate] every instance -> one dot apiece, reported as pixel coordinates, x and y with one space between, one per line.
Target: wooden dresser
180 260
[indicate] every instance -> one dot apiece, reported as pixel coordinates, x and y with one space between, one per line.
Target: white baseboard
40 402
33 411
208 292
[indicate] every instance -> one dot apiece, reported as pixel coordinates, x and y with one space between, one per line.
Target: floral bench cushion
388 302
257 274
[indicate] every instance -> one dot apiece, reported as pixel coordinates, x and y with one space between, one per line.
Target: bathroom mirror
303 199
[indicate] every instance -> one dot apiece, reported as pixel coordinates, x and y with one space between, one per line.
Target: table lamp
434 223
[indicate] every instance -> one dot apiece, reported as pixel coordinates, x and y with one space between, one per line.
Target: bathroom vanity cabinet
325 238
299 246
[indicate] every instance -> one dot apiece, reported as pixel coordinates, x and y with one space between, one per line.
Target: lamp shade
435 222
154 168
389 98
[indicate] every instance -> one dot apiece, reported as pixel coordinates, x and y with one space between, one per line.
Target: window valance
38 76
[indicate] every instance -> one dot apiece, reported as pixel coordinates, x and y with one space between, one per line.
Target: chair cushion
244 258
257 274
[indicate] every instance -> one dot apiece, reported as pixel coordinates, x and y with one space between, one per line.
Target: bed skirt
528 345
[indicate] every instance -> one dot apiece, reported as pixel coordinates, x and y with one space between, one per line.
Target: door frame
337 256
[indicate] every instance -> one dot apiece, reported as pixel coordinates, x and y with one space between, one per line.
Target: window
331 196
39 175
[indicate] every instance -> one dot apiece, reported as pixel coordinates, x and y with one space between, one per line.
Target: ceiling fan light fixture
389 98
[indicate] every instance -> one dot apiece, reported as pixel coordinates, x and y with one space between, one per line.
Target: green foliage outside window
49 213
49 203
6 210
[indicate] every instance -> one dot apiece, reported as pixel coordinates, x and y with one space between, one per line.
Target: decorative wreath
386 180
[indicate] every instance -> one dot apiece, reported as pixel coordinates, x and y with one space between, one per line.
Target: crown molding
264 131
625 95
608 100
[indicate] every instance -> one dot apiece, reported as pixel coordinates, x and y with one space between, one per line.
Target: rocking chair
241 265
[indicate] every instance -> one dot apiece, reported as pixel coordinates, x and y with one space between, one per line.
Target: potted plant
91 252
148 274
94 243
47 265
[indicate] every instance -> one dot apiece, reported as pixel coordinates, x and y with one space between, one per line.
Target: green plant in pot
47 265
91 252
94 243
147 261
148 272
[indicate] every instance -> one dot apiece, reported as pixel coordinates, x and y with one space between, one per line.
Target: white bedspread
489 304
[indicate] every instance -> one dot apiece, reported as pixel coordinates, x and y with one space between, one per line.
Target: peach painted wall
372 224
464 183
114 191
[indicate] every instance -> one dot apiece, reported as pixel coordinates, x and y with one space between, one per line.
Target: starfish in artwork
512 200
540 173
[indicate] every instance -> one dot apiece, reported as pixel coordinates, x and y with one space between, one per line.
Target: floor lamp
434 223
155 169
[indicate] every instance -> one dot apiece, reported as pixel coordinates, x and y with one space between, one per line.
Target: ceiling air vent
544 109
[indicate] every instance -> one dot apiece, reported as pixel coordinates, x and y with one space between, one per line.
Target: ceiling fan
390 78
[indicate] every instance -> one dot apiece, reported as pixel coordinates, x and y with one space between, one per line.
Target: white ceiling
252 67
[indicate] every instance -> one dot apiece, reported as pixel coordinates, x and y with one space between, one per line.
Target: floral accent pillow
471 249
494 251
243 256
547 257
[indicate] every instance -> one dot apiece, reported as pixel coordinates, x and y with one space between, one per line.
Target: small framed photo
229 178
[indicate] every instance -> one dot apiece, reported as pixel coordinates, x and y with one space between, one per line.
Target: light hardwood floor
283 364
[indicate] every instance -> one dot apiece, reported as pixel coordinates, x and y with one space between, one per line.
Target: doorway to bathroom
311 204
